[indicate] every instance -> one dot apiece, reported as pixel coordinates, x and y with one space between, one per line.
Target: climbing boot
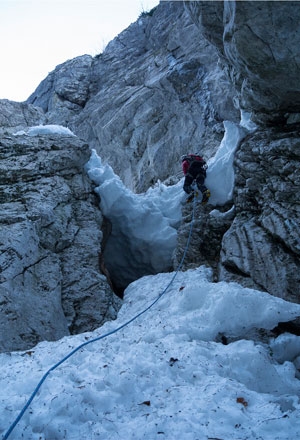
192 196
205 196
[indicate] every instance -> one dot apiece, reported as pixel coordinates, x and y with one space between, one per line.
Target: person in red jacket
194 169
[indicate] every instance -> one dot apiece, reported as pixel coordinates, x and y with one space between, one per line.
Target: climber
194 169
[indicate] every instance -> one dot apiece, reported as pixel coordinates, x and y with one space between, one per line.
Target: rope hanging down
34 393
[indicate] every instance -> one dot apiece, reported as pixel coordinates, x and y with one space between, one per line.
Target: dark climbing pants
197 174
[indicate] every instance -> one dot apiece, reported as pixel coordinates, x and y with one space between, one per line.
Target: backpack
191 158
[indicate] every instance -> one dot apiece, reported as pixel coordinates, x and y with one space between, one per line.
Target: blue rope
34 393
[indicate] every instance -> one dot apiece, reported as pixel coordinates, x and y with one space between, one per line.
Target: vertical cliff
156 92
50 239
258 45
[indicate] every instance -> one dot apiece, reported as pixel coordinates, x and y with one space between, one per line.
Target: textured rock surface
65 90
263 243
209 226
160 86
156 92
16 116
50 237
259 44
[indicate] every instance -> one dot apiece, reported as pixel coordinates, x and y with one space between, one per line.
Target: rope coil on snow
34 393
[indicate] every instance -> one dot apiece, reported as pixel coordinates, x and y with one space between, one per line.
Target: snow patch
46 129
220 172
246 121
163 375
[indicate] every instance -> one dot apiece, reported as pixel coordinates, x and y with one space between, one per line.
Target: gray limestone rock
64 92
155 93
208 229
252 257
50 239
259 45
263 243
15 116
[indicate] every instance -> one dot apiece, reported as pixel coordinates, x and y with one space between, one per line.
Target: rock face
155 93
263 242
208 229
16 116
258 43
65 91
167 83
50 284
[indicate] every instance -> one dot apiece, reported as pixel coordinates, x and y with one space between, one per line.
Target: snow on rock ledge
46 129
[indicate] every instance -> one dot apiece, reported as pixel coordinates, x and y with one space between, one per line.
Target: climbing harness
34 393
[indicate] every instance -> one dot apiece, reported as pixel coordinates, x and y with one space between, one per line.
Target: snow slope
164 375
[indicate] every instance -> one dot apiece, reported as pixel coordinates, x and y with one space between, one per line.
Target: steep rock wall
156 92
263 242
258 45
50 283
16 116
166 84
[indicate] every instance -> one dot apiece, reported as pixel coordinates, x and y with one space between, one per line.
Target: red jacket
186 163
185 166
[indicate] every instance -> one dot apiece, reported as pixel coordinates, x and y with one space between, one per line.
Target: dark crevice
234 269
287 327
106 231
28 267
